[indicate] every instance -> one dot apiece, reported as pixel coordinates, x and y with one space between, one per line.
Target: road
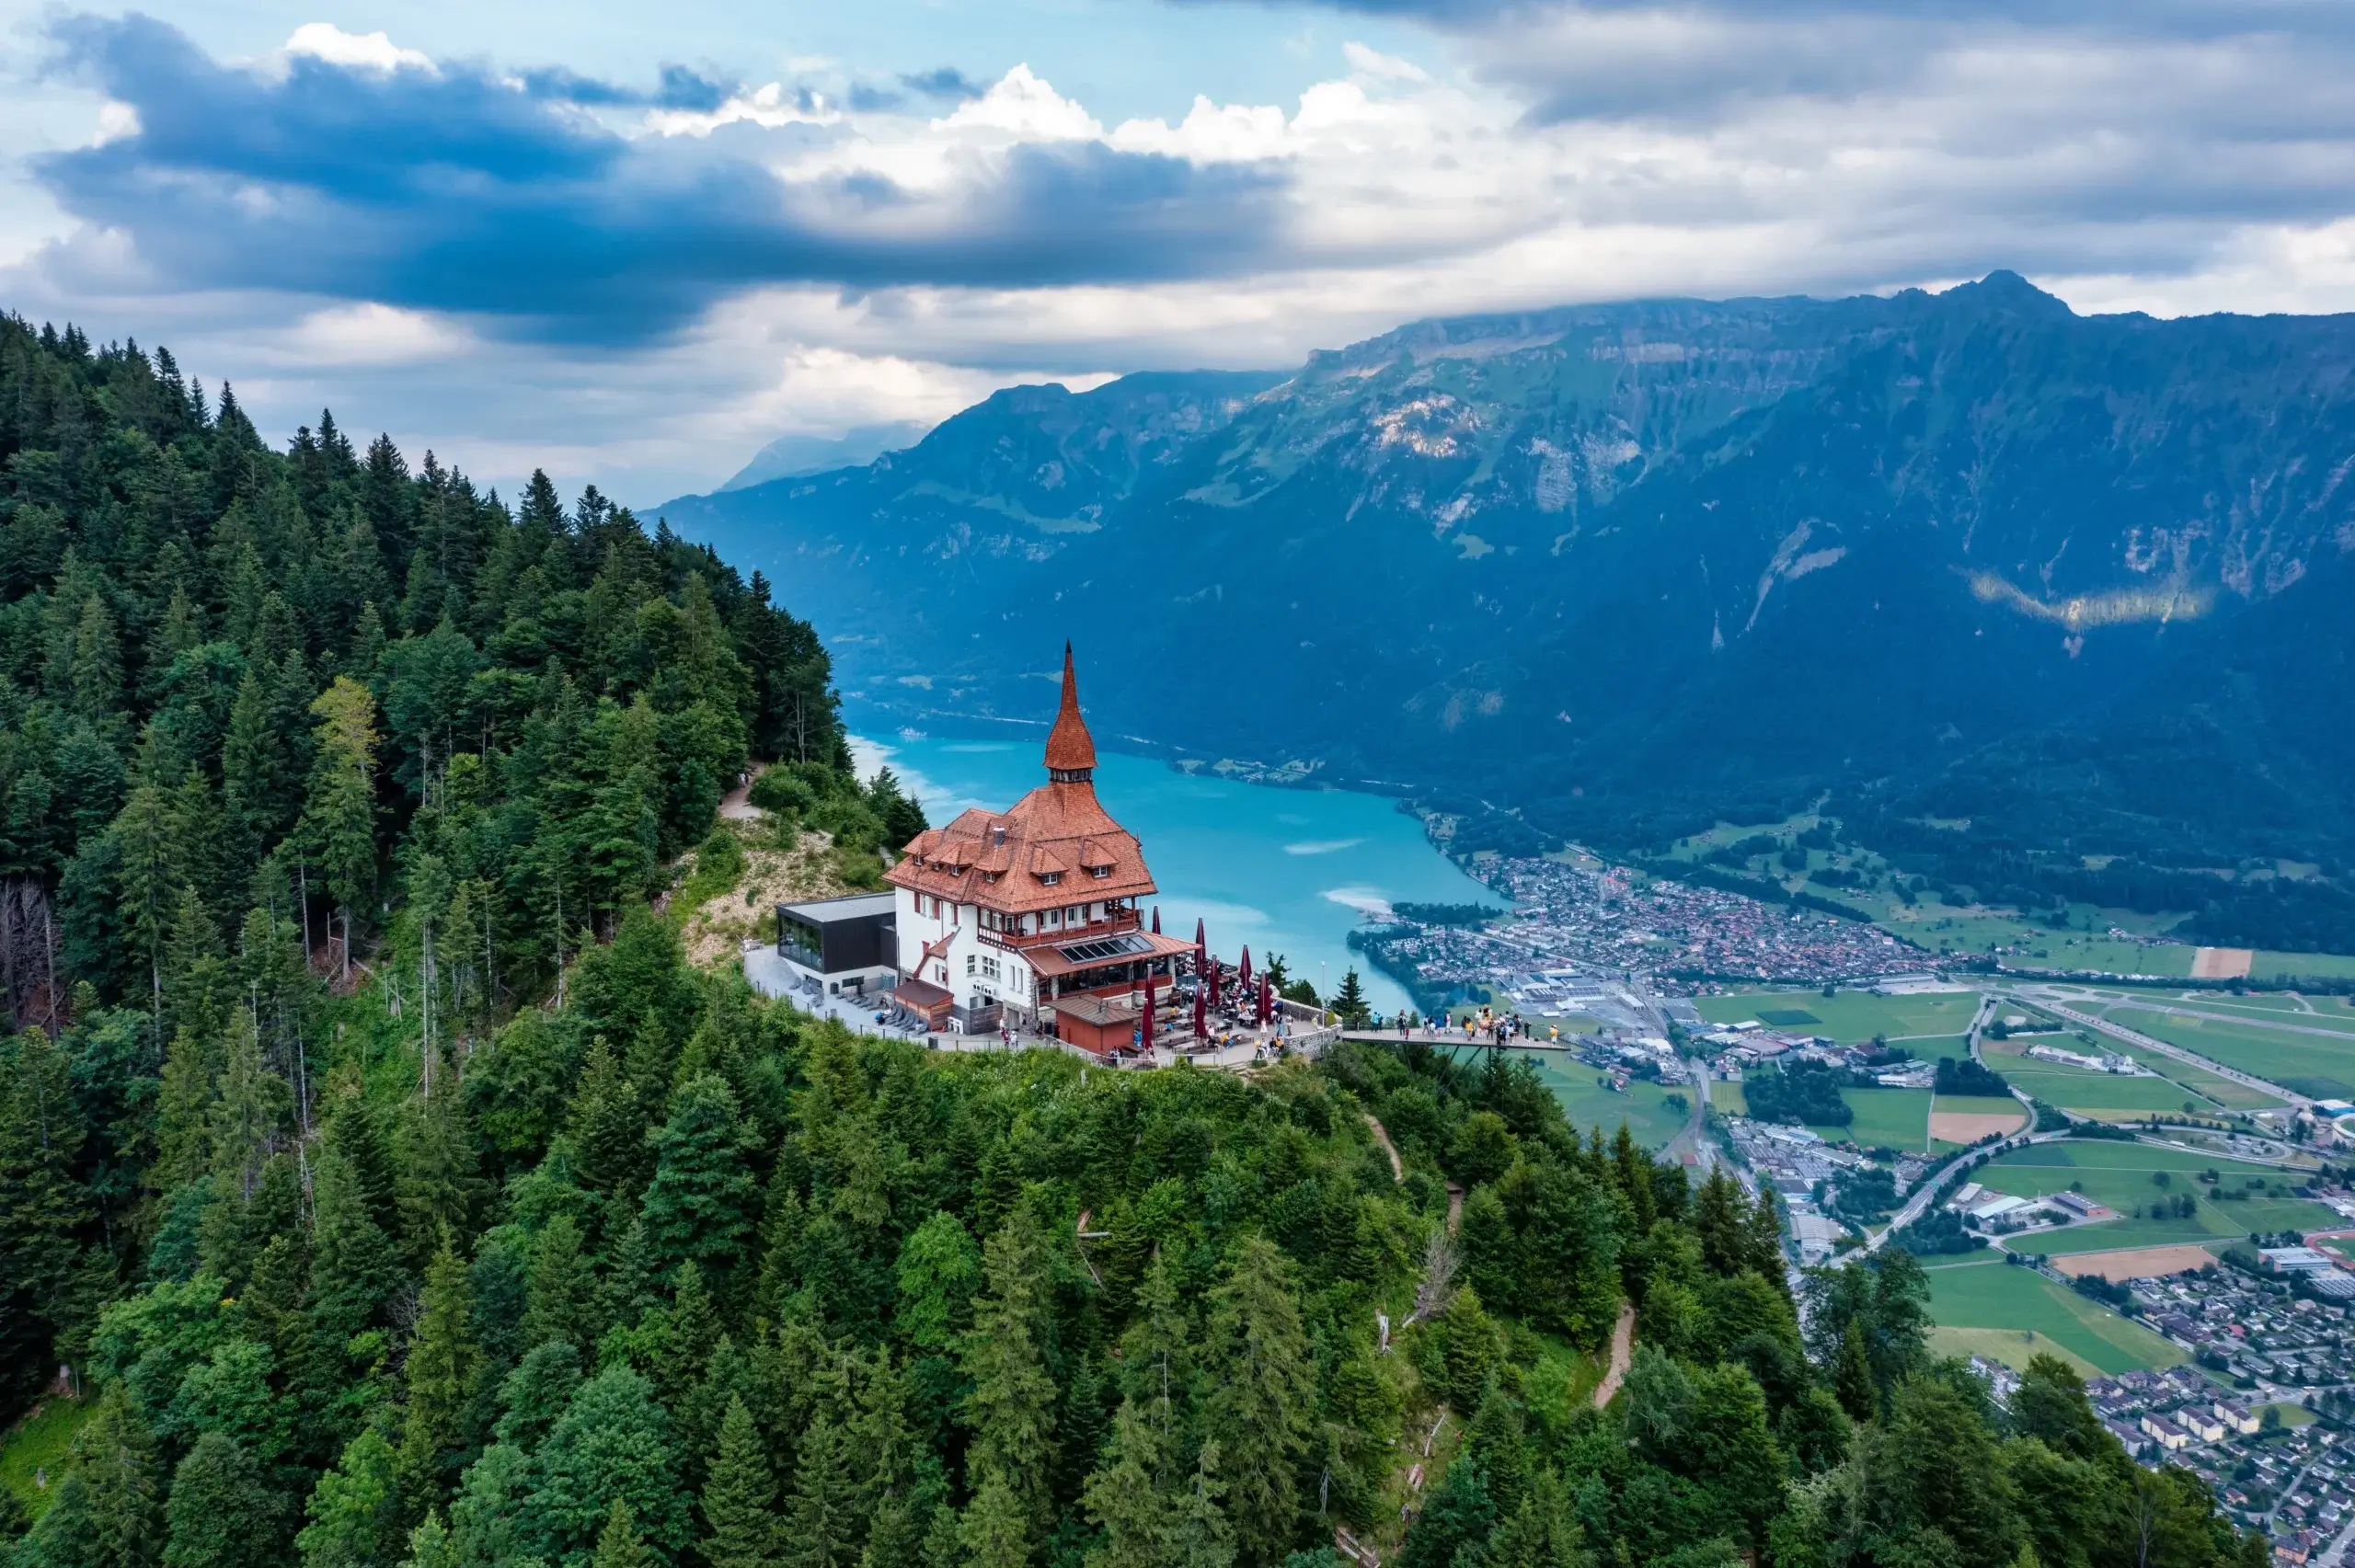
2143 1042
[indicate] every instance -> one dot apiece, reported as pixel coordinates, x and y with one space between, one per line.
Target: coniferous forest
381 1186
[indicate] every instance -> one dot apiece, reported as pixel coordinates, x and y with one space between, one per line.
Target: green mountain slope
1624 569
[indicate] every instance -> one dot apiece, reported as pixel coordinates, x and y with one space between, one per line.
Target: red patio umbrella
1147 1037
1267 1002
1156 919
1202 948
1243 976
1201 1029
1213 983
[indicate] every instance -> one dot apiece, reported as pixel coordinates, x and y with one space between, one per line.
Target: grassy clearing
2108 1096
2013 1347
1851 1016
729 886
2024 1308
1727 1099
1589 1104
42 1441
1890 1118
2311 1064
2124 1177
2330 965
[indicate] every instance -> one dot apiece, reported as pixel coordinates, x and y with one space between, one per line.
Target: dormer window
1099 872
1050 877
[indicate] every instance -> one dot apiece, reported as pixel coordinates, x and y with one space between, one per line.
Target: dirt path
1398 1166
1454 1208
1622 1351
737 805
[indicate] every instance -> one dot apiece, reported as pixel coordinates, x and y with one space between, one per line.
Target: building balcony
1115 922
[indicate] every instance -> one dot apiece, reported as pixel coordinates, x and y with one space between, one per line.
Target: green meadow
1892 1118
2012 1313
2310 1064
1854 1016
2126 1177
1591 1104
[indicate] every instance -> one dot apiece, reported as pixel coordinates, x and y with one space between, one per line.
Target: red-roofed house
1035 904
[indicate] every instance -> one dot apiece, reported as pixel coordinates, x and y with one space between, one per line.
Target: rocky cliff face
1658 552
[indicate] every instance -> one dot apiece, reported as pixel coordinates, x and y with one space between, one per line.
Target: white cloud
371 334
1383 67
115 120
1025 107
769 106
372 52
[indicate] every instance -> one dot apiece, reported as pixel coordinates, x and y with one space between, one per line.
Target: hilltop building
1034 910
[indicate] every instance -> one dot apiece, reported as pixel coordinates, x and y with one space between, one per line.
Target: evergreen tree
619 1545
338 826
699 1207
996 1531
560 1295
1011 1407
740 1498
1853 1378
1129 1497
223 1513
443 1367
821 1513
1264 1400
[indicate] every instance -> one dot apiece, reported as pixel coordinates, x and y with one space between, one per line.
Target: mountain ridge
1614 568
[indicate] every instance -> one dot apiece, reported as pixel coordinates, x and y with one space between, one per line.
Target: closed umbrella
1202 1028
1156 919
1147 1036
1202 948
1243 973
1213 982
1267 1002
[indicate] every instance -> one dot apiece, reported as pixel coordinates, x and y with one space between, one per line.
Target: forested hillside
394 1194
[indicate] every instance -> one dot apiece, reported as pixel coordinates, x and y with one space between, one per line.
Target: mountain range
2044 605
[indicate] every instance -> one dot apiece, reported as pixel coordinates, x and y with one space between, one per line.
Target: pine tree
740 1498
699 1207
607 1125
1011 1407
618 1545
1265 1398
1129 1496
444 1367
121 1524
1852 1380
995 1532
1202 1537
338 826
559 1299
821 1514
223 1513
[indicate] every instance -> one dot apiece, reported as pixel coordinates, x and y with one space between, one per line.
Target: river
1285 871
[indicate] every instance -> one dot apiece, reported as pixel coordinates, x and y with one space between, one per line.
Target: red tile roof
1001 859
1070 748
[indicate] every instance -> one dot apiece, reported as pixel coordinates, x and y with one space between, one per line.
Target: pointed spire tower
1070 750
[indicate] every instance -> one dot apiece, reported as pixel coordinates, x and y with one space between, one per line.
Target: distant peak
2007 291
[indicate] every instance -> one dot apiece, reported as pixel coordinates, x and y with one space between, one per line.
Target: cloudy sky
633 242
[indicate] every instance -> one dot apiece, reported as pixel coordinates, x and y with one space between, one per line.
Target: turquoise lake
1286 871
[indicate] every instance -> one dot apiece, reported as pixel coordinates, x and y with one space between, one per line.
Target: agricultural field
2323 965
1589 1104
1892 1118
1930 1024
2106 1096
1728 1100
2310 1064
2012 1313
2125 1177
1958 1120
